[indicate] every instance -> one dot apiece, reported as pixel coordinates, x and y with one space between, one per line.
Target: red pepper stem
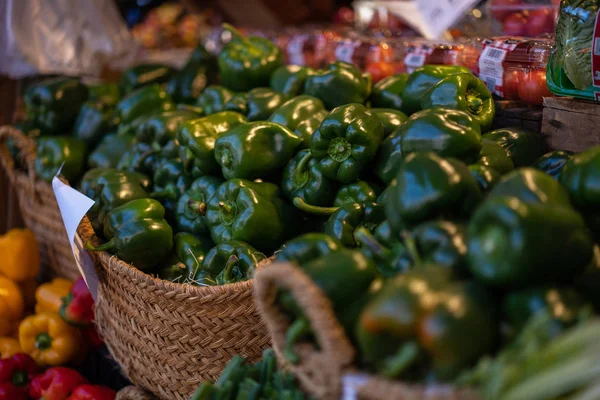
297 329
235 33
300 170
231 263
366 239
411 248
103 247
404 358
304 206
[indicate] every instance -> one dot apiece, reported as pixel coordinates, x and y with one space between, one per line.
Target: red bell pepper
93 392
92 337
56 384
16 373
78 307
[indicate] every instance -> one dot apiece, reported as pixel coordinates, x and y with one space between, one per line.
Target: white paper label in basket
73 207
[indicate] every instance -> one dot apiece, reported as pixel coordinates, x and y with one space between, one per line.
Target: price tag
491 70
73 207
344 51
295 50
413 61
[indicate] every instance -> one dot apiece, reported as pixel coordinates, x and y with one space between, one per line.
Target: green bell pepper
110 188
486 177
191 207
296 111
588 283
413 321
493 155
531 186
514 243
522 146
93 122
138 104
190 107
463 92
387 93
228 262
169 181
137 233
391 255
251 212
579 177
346 142
308 247
564 304
289 79
186 84
389 157
357 192
421 80
53 151
189 252
340 84
306 128
52 105
197 140
159 131
448 133
255 150
143 158
238 103
110 151
144 74
107 93
553 162
428 187
247 63
303 178
213 99
262 102
349 217
390 118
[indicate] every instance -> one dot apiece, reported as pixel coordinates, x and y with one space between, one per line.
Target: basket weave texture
321 370
168 337
133 393
38 207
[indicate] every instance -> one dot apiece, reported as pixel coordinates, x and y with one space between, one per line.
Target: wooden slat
571 124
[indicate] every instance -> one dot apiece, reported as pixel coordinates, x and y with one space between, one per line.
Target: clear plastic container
531 18
420 52
513 68
311 47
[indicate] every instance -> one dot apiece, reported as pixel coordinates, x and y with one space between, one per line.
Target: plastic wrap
68 37
524 18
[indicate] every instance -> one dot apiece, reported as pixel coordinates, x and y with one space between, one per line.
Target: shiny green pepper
303 178
289 79
189 253
228 262
341 83
553 162
343 223
93 122
485 176
357 192
140 103
390 118
387 93
522 146
110 151
190 214
213 99
144 74
493 155
53 151
307 247
297 110
262 102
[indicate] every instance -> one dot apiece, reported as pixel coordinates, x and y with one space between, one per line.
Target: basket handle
319 370
27 151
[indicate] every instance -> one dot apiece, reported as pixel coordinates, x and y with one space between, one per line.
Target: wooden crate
571 124
510 113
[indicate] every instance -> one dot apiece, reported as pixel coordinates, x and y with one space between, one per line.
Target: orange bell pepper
9 346
48 296
20 255
11 305
49 340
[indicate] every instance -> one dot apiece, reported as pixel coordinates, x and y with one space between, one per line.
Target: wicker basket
321 371
133 393
38 207
167 337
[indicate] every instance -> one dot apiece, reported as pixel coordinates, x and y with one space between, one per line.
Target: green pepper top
247 63
341 83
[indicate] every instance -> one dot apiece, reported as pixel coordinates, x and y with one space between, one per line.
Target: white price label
295 50
491 70
344 52
413 61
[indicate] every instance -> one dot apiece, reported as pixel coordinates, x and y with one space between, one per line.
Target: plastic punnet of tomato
530 18
312 47
515 68
422 52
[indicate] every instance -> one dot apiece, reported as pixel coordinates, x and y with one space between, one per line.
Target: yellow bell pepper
9 346
11 305
48 296
20 255
49 340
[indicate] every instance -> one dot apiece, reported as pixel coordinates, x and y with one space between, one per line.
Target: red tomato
503 8
515 25
380 70
533 88
540 21
511 81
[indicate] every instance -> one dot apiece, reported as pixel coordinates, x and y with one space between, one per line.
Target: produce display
530 18
46 330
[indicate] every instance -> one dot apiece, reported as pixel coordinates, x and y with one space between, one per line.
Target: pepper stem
302 164
304 206
103 247
231 263
363 237
474 102
197 206
43 341
225 207
19 378
297 329
411 248
235 32
395 365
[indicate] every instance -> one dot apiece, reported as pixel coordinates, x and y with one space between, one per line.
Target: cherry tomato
503 8
533 88
515 25
511 80
540 21
380 70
